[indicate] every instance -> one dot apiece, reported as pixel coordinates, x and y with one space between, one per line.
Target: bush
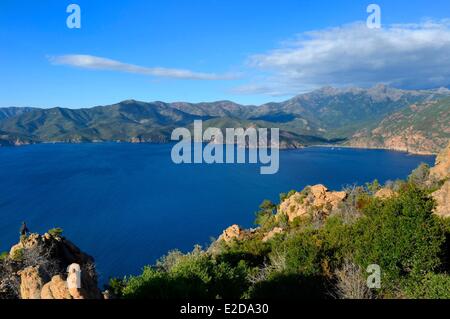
351 283
432 286
373 187
151 284
401 235
166 263
290 287
195 275
18 254
116 287
56 232
303 252
266 214
420 175
284 196
4 256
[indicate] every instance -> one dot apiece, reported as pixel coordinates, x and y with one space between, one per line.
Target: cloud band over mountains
100 63
404 55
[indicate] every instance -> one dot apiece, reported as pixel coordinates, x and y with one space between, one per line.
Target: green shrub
56 232
432 286
302 251
195 275
116 287
167 262
265 217
250 247
401 235
230 282
284 196
337 242
18 254
4 256
151 284
290 287
420 175
373 187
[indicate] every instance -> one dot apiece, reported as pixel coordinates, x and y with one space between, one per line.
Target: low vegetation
317 259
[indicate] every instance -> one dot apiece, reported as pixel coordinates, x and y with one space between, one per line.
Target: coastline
423 153
282 148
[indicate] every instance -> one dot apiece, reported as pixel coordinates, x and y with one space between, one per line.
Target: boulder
232 233
55 289
30 283
313 200
384 193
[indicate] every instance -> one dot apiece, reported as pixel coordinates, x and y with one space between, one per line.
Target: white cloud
402 55
100 63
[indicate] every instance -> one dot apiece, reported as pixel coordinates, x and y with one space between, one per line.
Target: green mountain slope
317 117
337 113
8 112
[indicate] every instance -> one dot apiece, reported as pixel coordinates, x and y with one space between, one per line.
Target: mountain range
379 117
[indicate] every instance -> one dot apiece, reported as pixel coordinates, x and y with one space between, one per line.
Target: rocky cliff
441 172
47 267
421 129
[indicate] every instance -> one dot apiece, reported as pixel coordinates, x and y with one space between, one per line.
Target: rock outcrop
235 232
30 283
441 172
272 234
38 268
420 128
442 198
315 200
384 193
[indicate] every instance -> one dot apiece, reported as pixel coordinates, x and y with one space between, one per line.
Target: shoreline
424 153
376 148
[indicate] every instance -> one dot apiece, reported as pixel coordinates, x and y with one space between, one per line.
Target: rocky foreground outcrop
235 232
442 198
48 267
441 172
316 200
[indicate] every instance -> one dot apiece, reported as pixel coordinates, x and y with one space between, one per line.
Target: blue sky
248 51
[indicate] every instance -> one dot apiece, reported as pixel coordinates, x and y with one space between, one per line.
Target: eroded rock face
442 198
441 170
315 200
235 232
30 243
232 233
41 264
31 283
385 193
272 234
56 289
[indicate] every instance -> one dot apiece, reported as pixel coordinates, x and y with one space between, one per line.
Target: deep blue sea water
128 204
